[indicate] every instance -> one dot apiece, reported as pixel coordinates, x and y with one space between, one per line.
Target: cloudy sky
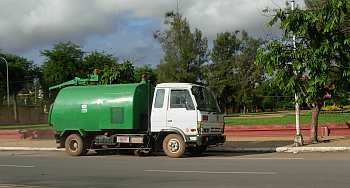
120 27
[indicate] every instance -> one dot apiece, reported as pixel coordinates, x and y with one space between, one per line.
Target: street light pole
298 139
7 81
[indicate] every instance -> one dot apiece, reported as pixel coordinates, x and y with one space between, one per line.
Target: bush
332 108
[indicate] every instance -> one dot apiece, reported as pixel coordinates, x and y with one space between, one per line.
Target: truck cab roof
176 85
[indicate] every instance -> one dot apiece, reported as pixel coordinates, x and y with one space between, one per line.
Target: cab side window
181 99
158 103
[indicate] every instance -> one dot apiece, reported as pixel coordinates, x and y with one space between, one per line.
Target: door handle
170 120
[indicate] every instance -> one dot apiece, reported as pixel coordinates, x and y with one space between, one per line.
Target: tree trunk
314 123
15 111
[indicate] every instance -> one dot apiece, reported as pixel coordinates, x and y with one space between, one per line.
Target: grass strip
324 118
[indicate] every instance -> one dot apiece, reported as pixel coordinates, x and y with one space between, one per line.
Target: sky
123 28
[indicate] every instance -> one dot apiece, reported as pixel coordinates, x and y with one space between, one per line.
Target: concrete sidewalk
242 144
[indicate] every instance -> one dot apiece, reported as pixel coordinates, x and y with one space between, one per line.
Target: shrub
332 108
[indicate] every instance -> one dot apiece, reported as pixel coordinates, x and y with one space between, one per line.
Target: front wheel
75 145
174 145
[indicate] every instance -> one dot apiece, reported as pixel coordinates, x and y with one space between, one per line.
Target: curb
311 149
28 149
285 149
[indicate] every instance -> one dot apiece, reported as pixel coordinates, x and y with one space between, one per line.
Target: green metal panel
101 107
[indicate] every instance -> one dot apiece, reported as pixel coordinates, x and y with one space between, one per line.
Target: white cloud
28 24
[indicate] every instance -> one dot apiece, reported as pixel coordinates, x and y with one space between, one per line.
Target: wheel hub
73 146
174 145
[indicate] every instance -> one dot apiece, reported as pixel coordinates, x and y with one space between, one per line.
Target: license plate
137 139
123 139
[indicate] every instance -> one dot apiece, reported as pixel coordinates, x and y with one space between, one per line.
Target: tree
146 70
63 63
220 74
184 51
249 75
118 73
319 66
21 71
318 4
232 74
67 60
96 60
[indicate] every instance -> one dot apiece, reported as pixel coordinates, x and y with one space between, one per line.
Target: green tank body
101 107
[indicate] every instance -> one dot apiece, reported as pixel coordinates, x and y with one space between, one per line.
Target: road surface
270 170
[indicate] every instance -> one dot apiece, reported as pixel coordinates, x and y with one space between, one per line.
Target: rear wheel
174 145
75 145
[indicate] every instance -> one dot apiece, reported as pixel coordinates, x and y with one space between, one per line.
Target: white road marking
18 186
18 166
211 172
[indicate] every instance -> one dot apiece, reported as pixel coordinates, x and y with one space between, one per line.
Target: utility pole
177 6
298 139
7 81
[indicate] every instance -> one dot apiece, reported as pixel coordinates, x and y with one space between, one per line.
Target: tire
197 151
75 145
174 145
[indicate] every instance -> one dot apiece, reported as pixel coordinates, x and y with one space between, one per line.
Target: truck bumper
206 139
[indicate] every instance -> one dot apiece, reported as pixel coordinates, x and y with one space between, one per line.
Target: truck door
181 111
159 109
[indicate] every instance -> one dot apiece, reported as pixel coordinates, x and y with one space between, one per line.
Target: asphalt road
56 169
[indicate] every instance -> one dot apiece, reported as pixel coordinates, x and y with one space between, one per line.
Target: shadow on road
257 144
218 151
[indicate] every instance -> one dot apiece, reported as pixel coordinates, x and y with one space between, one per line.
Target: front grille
211 130
215 130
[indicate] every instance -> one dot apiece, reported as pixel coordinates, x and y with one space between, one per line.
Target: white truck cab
188 116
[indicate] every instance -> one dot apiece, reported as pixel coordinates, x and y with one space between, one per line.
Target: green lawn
284 119
34 127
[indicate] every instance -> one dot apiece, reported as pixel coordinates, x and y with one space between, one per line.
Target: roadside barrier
285 130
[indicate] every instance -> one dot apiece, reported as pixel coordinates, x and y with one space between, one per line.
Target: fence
25 115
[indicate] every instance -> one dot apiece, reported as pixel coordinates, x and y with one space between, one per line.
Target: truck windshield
205 99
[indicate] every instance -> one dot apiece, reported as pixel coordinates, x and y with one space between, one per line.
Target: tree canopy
232 74
184 51
319 65
66 60
21 71
118 73
63 62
